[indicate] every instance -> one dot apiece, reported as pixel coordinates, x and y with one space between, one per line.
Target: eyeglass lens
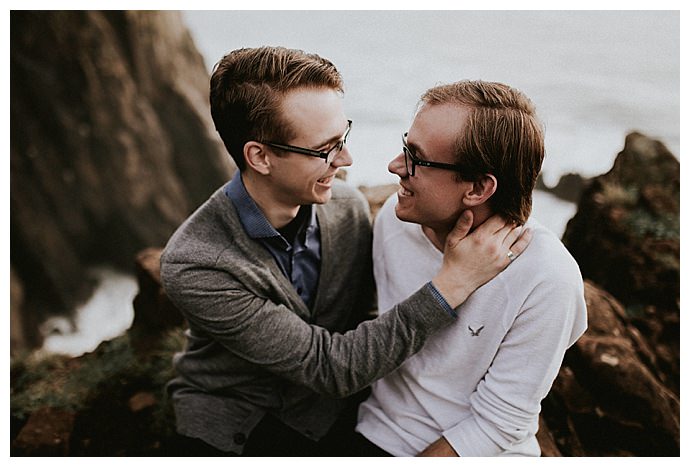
409 161
338 146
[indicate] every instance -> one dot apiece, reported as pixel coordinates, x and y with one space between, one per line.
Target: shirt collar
252 218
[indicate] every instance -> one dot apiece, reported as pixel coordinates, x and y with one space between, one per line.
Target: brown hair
247 86
503 137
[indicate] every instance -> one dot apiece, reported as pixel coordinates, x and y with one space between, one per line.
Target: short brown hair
247 86
503 137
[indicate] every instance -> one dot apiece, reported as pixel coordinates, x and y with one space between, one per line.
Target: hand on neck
437 234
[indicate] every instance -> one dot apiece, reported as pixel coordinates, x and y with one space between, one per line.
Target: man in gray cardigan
273 272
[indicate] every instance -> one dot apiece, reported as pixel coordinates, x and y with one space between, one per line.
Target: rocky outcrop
618 390
377 195
626 239
111 144
569 187
608 399
17 332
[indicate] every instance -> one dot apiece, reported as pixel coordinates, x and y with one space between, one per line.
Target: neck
277 213
438 234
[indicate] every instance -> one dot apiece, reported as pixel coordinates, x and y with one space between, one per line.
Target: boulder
608 399
626 239
47 433
377 195
154 313
569 187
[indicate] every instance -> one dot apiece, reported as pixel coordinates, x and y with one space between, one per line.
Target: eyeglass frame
313 152
414 161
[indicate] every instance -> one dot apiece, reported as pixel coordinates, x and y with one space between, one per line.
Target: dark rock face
626 239
111 144
609 399
569 187
47 433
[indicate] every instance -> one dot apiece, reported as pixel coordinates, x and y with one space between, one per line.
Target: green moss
72 384
65 383
642 223
635 310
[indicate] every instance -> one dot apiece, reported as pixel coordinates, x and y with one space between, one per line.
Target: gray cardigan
253 345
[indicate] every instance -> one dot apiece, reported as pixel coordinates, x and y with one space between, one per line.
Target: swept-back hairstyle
503 137
247 87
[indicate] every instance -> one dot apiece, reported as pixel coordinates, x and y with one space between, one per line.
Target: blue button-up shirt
300 258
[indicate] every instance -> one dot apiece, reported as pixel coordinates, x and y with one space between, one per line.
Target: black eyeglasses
329 154
411 161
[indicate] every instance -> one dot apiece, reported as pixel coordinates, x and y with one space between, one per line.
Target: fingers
511 233
462 228
522 242
492 225
513 239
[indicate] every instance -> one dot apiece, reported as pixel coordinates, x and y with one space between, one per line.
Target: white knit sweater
480 382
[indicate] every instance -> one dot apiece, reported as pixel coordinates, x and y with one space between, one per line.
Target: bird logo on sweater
475 333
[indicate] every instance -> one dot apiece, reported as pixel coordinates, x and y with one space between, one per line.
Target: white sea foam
107 314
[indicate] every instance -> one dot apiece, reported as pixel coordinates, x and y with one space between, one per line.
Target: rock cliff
111 146
626 239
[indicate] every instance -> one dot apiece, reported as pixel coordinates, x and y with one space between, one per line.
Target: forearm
272 337
342 364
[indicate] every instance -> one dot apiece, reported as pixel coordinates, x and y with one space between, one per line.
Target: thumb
461 229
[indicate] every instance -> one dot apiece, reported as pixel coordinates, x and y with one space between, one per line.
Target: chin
322 198
404 214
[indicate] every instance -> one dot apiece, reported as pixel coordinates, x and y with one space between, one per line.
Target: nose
397 166
343 158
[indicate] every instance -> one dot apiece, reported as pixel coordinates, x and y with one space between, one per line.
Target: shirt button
239 438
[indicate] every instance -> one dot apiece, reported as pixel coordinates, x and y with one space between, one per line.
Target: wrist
441 300
453 291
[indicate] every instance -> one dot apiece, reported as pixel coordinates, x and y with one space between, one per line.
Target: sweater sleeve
274 338
507 401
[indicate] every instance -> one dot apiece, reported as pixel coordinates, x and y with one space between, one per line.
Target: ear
481 190
256 157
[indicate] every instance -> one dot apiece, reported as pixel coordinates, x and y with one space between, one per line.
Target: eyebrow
332 139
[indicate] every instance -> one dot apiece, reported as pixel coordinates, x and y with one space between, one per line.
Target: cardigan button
239 438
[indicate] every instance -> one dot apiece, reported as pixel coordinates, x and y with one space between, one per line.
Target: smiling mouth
326 180
404 191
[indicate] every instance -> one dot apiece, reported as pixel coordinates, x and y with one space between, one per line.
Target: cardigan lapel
323 217
258 254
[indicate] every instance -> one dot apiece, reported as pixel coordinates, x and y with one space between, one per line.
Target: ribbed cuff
442 301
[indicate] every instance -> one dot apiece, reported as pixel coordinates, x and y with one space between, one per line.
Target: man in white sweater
475 389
